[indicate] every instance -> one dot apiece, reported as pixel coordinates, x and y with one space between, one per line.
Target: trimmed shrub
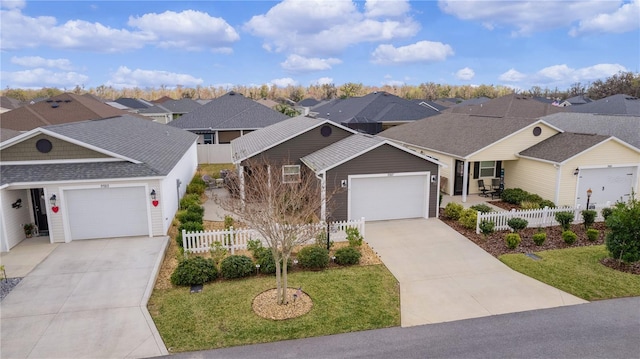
547 203
354 237
482 208
532 197
189 216
189 199
193 271
348 256
593 234
487 227
514 195
313 257
569 237
588 218
264 257
623 238
529 205
236 266
196 208
606 212
453 210
253 245
469 218
512 240
189 227
196 186
539 238
565 219
517 224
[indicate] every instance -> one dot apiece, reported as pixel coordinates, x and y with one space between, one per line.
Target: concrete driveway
444 276
87 299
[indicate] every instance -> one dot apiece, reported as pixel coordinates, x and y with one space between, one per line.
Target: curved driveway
444 276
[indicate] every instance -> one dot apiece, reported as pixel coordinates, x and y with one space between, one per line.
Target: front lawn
344 300
577 271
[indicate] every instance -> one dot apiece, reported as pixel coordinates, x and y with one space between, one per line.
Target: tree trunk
285 259
279 298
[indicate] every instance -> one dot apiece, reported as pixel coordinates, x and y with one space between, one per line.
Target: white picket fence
237 239
535 217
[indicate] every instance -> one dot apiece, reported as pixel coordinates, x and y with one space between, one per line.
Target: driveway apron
444 276
87 299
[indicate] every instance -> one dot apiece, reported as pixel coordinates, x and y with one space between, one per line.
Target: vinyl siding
508 148
384 159
445 172
11 227
532 176
61 150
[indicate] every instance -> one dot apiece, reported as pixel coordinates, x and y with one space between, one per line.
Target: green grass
213 169
577 271
344 300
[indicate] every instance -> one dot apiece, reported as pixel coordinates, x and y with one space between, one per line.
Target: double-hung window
487 168
291 173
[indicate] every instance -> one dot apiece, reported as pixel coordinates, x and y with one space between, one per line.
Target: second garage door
107 212
383 197
608 185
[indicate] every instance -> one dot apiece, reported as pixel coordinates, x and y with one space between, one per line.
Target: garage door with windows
107 212
610 184
389 196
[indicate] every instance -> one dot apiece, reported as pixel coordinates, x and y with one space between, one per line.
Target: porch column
465 180
323 199
558 178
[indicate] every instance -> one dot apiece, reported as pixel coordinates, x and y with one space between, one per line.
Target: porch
26 255
472 200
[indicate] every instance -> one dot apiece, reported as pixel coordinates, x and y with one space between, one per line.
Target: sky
150 44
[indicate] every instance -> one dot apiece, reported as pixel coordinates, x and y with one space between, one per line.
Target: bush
606 212
532 197
512 240
547 203
354 237
529 205
189 227
482 208
236 266
469 218
189 215
565 219
593 234
517 224
348 256
189 199
264 257
588 218
487 227
313 257
623 239
193 271
514 195
539 238
569 237
196 209
253 245
196 186
218 252
453 210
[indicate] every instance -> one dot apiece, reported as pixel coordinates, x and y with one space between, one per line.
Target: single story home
115 177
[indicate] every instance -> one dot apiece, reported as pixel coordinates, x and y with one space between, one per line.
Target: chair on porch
483 189
496 188
209 181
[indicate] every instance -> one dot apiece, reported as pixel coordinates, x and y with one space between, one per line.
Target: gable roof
349 148
230 111
472 101
376 107
183 105
613 105
457 134
626 128
563 146
7 133
308 102
578 100
259 141
64 108
145 148
133 103
9 103
512 105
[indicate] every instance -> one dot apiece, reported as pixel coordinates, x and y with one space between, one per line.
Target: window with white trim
208 138
487 168
291 173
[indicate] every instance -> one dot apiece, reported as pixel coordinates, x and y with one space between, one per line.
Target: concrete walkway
87 299
25 256
444 276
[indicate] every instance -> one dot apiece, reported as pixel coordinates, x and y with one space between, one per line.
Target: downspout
558 178
323 197
465 180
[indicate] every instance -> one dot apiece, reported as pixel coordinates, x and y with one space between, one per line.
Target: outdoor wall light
576 171
154 201
53 200
589 193
17 204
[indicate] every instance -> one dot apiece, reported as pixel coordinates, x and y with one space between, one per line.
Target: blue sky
304 42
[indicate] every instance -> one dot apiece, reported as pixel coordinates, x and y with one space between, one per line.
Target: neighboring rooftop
613 105
134 103
512 105
626 128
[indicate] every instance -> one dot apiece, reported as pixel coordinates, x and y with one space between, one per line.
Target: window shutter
498 168
476 170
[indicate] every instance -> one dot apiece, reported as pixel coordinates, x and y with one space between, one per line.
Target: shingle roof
230 111
579 100
335 153
626 128
375 107
563 146
613 105
7 133
133 103
183 105
9 103
456 134
472 101
513 105
63 108
308 102
158 147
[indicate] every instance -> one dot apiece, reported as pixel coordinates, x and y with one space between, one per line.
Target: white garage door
609 184
388 197
107 212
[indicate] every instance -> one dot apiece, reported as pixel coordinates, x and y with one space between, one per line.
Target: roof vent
49 100
67 101
232 93
54 105
58 101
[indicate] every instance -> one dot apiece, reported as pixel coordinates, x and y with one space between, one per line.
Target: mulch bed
494 243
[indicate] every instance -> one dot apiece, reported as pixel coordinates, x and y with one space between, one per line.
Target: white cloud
624 19
421 51
325 28
380 8
37 61
189 29
297 63
527 16
284 82
323 81
512 76
127 78
396 83
13 4
40 77
465 74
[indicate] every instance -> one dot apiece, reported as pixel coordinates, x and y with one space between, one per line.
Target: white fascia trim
425 148
86 181
539 160
69 161
611 138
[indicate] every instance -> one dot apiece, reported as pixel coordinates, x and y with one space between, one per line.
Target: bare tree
281 202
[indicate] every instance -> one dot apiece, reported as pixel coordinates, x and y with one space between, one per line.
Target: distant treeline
621 83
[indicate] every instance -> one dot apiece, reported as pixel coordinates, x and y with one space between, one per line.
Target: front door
39 205
459 178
